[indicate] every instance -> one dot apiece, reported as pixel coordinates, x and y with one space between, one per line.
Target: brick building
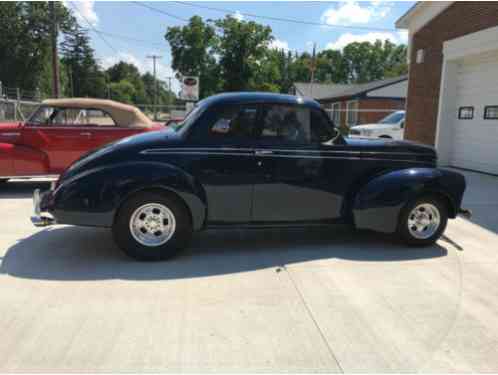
357 104
452 98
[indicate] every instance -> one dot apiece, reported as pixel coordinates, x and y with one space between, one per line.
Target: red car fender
6 160
18 160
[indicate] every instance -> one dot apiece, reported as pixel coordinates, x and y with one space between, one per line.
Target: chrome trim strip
185 150
280 156
10 134
48 176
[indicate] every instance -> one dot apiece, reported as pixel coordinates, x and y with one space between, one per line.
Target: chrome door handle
11 134
86 134
263 152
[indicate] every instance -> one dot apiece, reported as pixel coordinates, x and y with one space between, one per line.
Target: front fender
84 199
378 203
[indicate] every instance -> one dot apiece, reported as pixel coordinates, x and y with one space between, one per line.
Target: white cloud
403 36
347 38
84 11
144 65
238 16
279 44
354 12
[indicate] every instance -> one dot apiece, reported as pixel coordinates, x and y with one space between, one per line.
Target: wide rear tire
152 226
422 221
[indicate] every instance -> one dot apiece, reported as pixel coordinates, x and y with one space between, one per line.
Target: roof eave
403 21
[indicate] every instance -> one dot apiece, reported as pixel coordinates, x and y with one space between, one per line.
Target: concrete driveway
295 300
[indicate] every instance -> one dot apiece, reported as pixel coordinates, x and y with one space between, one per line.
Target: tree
129 72
122 91
164 95
367 62
25 42
192 51
85 76
331 67
241 46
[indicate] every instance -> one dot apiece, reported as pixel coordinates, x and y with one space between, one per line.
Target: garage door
475 143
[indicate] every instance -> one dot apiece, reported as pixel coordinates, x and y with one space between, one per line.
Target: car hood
389 145
373 126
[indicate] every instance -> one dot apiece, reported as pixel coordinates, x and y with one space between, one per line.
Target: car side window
71 117
233 122
321 128
75 117
285 124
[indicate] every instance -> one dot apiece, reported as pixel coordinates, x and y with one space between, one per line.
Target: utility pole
312 67
154 58
169 89
55 57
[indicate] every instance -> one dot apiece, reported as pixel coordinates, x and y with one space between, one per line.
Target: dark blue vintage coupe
252 160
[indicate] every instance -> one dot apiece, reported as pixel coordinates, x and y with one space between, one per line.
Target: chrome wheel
152 224
424 221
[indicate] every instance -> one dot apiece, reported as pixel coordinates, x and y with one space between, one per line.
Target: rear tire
151 226
422 221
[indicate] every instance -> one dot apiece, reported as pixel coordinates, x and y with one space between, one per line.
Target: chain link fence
17 105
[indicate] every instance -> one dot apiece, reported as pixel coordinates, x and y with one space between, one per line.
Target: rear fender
378 203
84 200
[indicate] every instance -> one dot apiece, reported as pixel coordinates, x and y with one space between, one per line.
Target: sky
364 21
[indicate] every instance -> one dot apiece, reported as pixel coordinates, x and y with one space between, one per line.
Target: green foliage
129 72
122 91
164 95
85 76
192 49
233 55
227 55
25 41
242 48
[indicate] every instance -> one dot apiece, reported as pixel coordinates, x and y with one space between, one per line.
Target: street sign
190 88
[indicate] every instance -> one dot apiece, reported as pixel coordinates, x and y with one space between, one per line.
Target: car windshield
41 115
393 118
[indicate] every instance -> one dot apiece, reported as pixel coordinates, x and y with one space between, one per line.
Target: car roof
124 114
258 97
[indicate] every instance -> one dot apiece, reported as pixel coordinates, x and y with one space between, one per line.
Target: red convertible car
61 130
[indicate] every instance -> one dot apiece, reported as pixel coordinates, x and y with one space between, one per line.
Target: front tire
151 226
422 221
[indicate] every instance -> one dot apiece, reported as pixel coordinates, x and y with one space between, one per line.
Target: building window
465 113
420 56
336 113
352 112
491 112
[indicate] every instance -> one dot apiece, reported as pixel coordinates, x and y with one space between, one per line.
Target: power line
129 38
160 11
94 29
281 19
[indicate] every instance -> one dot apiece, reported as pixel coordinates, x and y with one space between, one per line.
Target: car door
298 175
58 133
222 160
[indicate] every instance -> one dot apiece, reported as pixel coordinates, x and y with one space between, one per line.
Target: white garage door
475 143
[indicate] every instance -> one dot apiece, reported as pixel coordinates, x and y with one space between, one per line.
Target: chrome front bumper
40 219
